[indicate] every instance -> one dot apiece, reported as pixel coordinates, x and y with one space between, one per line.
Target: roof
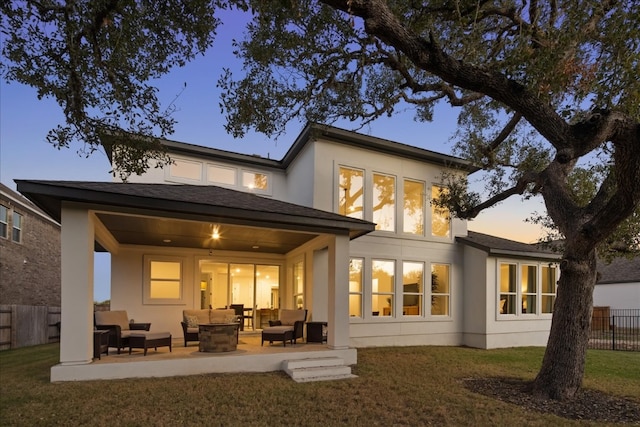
497 246
620 270
311 132
24 203
196 202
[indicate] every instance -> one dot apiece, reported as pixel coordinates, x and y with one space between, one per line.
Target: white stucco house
341 226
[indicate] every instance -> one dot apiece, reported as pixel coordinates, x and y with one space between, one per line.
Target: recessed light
167 240
255 247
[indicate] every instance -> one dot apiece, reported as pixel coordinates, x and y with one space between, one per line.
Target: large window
440 289
382 287
163 280
186 169
298 284
255 181
351 188
529 285
526 289
549 283
384 202
412 288
4 221
355 287
221 175
16 226
413 209
440 217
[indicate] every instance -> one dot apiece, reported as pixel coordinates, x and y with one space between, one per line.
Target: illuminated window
255 181
533 286
350 192
298 284
384 202
412 288
16 227
529 288
221 175
355 287
440 217
549 288
163 280
382 287
186 169
440 289
413 209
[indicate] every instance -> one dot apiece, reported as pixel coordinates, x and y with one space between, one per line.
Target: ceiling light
255 247
167 240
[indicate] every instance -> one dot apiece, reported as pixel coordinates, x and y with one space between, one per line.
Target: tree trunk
562 369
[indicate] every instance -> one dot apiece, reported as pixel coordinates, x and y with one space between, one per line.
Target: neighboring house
29 253
341 226
618 286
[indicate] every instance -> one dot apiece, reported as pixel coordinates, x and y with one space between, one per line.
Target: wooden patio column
338 327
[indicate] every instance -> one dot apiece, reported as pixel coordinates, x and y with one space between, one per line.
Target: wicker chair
289 327
119 327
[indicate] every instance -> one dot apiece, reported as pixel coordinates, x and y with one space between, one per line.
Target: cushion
117 317
290 317
191 321
201 314
277 329
231 318
220 315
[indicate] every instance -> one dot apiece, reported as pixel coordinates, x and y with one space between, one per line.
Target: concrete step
320 369
312 363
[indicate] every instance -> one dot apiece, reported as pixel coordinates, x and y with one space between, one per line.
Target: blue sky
25 154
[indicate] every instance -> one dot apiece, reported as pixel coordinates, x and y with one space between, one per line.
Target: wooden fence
27 325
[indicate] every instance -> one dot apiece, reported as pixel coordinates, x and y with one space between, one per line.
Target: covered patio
131 219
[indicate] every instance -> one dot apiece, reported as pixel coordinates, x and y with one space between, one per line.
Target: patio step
317 369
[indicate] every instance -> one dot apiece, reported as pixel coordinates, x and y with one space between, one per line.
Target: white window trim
361 293
429 233
221 166
14 227
146 291
268 191
6 223
518 314
425 214
395 201
173 178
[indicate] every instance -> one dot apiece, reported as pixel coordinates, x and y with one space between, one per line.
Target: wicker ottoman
145 340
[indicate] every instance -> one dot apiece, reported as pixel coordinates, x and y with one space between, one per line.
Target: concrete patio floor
249 357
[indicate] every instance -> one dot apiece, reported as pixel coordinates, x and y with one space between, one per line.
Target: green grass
407 386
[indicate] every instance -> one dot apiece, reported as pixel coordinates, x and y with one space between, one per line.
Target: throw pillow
192 321
230 318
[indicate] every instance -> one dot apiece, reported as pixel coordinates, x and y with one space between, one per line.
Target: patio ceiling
169 232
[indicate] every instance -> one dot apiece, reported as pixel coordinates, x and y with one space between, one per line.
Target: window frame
340 191
406 180
4 222
446 295
298 284
146 293
519 294
390 295
434 212
17 229
393 205
268 176
178 178
358 294
420 293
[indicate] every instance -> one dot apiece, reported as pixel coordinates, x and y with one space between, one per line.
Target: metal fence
615 329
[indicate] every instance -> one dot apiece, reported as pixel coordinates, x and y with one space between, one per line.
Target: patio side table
317 332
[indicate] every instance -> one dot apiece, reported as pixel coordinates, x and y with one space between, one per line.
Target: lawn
409 386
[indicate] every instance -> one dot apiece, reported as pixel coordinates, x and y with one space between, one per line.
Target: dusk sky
25 154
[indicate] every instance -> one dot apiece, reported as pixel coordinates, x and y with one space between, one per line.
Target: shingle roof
505 247
620 270
191 199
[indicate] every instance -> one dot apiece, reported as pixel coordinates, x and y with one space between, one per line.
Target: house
29 253
341 226
618 286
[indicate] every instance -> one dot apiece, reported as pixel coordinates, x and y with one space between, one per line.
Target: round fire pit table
218 337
